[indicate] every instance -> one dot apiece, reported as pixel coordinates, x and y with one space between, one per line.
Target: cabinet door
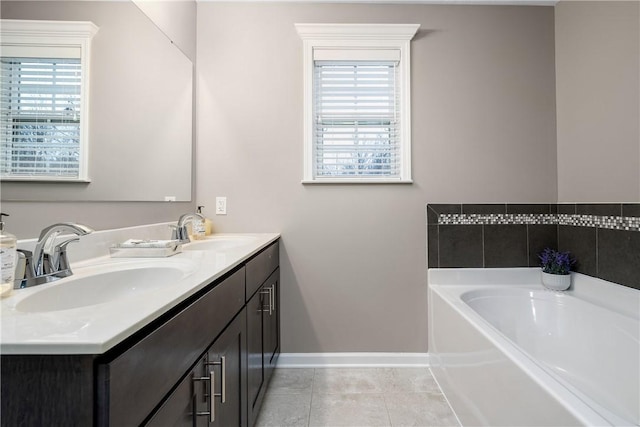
271 323
255 377
226 363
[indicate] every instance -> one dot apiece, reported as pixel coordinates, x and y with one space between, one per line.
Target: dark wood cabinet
263 340
36 390
204 363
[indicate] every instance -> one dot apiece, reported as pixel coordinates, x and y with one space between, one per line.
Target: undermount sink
104 285
218 242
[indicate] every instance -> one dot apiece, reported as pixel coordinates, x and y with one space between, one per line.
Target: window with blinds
357 119
357 109
40 117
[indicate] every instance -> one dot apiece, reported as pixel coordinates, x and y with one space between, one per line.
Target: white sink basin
219 242
108 283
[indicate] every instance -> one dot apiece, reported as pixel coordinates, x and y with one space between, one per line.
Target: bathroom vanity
203 358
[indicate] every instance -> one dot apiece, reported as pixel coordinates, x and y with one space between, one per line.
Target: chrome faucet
49 260
180 229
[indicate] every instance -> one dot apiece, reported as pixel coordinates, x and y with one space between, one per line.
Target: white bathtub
508 352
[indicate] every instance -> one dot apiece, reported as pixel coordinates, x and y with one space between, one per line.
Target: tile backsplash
604 238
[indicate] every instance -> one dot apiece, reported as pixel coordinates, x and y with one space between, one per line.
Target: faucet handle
24 260
59 257
180 233
175 232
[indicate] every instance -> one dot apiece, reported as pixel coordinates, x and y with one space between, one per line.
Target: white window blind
40 117
356 119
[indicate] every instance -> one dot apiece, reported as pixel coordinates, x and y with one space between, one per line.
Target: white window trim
18 32
357 36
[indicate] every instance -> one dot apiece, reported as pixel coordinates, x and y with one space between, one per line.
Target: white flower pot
556 282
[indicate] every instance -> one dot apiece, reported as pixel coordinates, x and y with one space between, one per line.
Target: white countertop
94 329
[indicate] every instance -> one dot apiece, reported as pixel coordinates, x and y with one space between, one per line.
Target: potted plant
556 269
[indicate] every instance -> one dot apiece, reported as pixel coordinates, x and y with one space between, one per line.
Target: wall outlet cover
221 205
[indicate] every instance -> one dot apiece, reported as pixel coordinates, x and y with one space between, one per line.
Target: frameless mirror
141 102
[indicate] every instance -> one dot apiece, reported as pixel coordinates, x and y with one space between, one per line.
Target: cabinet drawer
261 267
137 380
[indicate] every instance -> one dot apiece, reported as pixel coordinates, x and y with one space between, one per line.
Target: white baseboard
353 360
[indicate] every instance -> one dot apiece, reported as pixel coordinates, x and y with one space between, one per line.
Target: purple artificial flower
556 262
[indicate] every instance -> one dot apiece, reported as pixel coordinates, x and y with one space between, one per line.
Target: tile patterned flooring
354 397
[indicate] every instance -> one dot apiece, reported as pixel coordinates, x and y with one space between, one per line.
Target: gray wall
598 101
353 257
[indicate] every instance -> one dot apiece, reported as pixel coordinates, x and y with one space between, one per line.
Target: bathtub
506 351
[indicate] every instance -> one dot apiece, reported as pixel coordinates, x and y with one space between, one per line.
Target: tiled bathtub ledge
604 238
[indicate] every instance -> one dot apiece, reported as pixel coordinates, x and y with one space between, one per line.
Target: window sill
47 180
356 181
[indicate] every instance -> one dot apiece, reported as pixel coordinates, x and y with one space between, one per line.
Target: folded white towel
136 243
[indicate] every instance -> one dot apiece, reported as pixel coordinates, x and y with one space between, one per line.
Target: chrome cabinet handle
271 291
211 411
223 367
272 299
223 387
212 393
212 387
268 291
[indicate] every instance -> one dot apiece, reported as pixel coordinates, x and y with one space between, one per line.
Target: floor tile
352 410
412 380
419 409
291 381
284 410
355 397
351 380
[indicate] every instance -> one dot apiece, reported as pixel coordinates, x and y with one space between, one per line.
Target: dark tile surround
604 238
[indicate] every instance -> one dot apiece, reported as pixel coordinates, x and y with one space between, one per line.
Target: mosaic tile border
497 219
625 223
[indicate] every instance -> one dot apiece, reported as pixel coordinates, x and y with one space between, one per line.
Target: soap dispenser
208 224
8 245
197 227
